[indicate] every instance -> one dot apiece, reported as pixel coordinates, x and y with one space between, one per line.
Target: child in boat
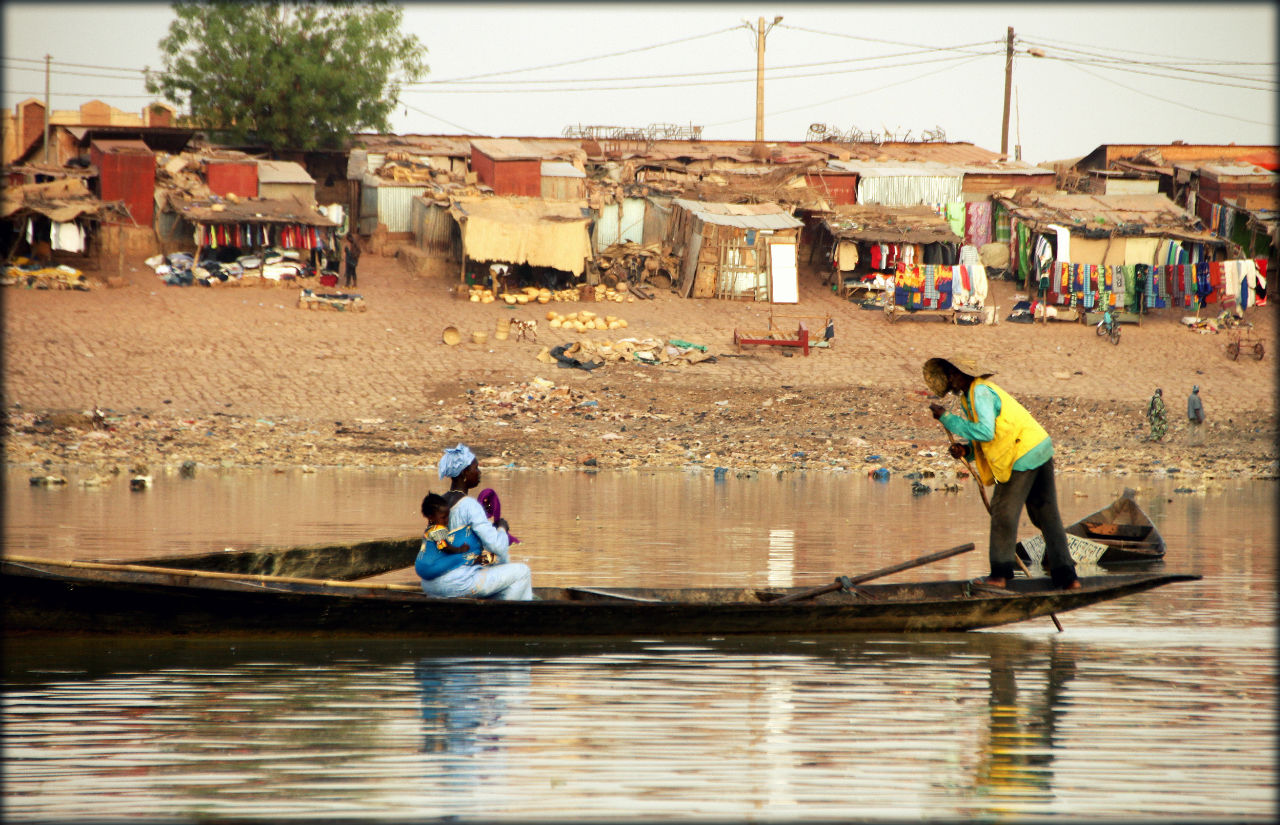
436 510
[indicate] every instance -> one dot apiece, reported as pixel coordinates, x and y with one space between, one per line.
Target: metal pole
1008 85
46 108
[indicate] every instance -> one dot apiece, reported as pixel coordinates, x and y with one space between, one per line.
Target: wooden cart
1244 341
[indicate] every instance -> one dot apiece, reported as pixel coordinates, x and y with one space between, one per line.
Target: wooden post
1008 86
760 80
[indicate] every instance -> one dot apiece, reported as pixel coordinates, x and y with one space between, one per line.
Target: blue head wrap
455 460
1195 388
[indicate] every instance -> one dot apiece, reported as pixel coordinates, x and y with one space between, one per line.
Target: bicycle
1108 327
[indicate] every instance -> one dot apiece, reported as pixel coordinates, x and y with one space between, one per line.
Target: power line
464 129
1180 57
76 65
772 69
1105 64
690 84
588 59
963 61
1167 100
98 75
1102 59
999 42
15 93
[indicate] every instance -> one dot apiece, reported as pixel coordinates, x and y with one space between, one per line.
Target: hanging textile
977 223
66 237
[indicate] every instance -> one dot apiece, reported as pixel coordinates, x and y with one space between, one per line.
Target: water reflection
956 725
464 702
1016 759
1158 706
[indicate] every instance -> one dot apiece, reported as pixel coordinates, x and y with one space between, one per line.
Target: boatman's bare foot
991 581
1075 585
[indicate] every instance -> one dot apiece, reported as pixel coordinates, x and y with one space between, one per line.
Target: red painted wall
238 178
508 177
128 176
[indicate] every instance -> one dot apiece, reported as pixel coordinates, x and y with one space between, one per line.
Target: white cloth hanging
66 237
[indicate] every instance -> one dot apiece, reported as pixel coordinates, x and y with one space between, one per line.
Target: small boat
96 598
1120 533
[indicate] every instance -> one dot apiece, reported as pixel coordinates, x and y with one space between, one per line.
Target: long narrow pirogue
261 593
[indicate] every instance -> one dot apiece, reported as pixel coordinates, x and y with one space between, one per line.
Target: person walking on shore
1011 450
1156 415
1195 415
350 257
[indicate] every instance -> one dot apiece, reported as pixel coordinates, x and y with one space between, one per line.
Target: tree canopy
287 75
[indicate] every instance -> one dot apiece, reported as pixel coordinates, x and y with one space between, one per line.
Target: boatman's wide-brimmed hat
935 377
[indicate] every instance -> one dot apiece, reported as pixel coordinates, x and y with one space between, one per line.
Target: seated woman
449 575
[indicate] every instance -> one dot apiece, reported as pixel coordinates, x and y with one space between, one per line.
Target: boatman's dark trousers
1034 489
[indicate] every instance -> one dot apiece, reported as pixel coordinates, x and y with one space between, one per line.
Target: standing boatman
1011 450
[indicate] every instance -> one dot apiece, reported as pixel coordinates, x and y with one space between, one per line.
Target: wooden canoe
86 598
1120 533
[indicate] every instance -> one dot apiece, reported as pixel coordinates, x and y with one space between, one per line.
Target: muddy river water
1160 705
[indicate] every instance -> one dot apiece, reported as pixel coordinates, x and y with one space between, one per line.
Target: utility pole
760 31
1008 86
46 108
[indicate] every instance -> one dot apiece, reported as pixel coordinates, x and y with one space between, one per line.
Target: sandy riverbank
241 377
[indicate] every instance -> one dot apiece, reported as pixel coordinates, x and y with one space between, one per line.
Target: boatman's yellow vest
1016 434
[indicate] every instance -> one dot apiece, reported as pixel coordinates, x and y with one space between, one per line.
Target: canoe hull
1119 534
65 601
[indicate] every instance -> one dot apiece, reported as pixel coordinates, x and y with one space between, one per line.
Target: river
1160 705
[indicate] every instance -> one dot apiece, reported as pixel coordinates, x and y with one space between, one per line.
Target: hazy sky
1110 72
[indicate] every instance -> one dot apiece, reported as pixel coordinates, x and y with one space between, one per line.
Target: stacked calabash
584 321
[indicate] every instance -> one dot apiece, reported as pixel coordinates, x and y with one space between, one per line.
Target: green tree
287 75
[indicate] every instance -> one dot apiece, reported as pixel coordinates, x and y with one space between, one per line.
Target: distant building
24 127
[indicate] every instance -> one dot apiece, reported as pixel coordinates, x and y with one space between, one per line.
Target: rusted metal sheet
232 177
127 172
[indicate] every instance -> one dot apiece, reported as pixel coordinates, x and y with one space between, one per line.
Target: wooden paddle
844 581
206 574
982 490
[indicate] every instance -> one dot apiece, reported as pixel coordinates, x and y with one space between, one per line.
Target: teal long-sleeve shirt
987 405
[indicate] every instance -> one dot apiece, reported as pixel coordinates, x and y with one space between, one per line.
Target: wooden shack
735 250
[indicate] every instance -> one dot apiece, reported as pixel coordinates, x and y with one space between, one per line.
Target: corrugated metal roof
282 171
560 169
741 215
1123 215
121 146
929 168
1229 170
507 149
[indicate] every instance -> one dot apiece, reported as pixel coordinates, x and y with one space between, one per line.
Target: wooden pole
46 108
760 80
207 574
1008 86
875 574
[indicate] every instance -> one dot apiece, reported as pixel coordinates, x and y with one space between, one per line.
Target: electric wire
1127 70
750 70
1106 60
1167 100
589 59
1055 44
694 83
999 42
963 62
464 129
